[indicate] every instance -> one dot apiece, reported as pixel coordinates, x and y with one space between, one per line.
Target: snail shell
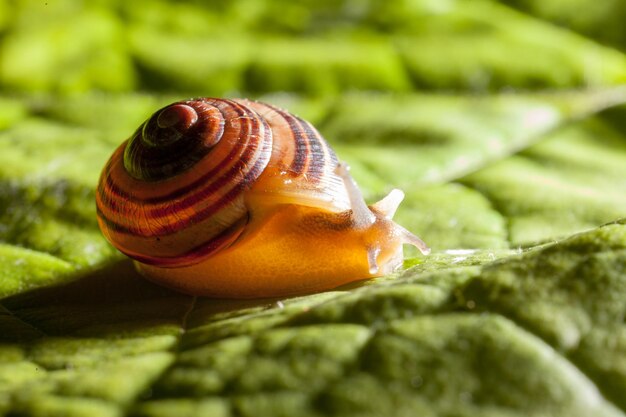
240 199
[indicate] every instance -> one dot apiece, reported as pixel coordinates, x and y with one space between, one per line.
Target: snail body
240 199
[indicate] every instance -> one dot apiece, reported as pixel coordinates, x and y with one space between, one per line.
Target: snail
241 199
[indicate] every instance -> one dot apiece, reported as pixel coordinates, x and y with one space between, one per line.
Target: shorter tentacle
390 203
372 255
410 239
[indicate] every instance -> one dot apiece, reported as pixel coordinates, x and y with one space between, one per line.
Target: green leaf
573 180
570 296
499 328
92 55
24 269
490 47
325 67
601 20
437 138
513 179
184 64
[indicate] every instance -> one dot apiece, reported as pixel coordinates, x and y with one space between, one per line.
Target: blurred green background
312 47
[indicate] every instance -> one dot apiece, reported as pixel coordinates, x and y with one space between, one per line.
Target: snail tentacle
362 216
411 239
372 255
389 204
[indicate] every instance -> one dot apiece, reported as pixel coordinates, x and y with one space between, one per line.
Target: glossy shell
202 178
176 202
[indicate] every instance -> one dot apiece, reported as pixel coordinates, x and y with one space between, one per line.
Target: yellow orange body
291 250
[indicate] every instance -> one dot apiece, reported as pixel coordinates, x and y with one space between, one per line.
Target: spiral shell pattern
174 193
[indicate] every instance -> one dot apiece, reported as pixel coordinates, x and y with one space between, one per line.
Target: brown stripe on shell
312 153
301 149
316 153
199 216
198 252
161 214
118 192
317 185
149 162
184 192
115 188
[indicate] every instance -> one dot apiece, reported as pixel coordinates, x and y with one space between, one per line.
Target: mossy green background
503 122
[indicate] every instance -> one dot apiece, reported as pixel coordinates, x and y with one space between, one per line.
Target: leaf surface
505 131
